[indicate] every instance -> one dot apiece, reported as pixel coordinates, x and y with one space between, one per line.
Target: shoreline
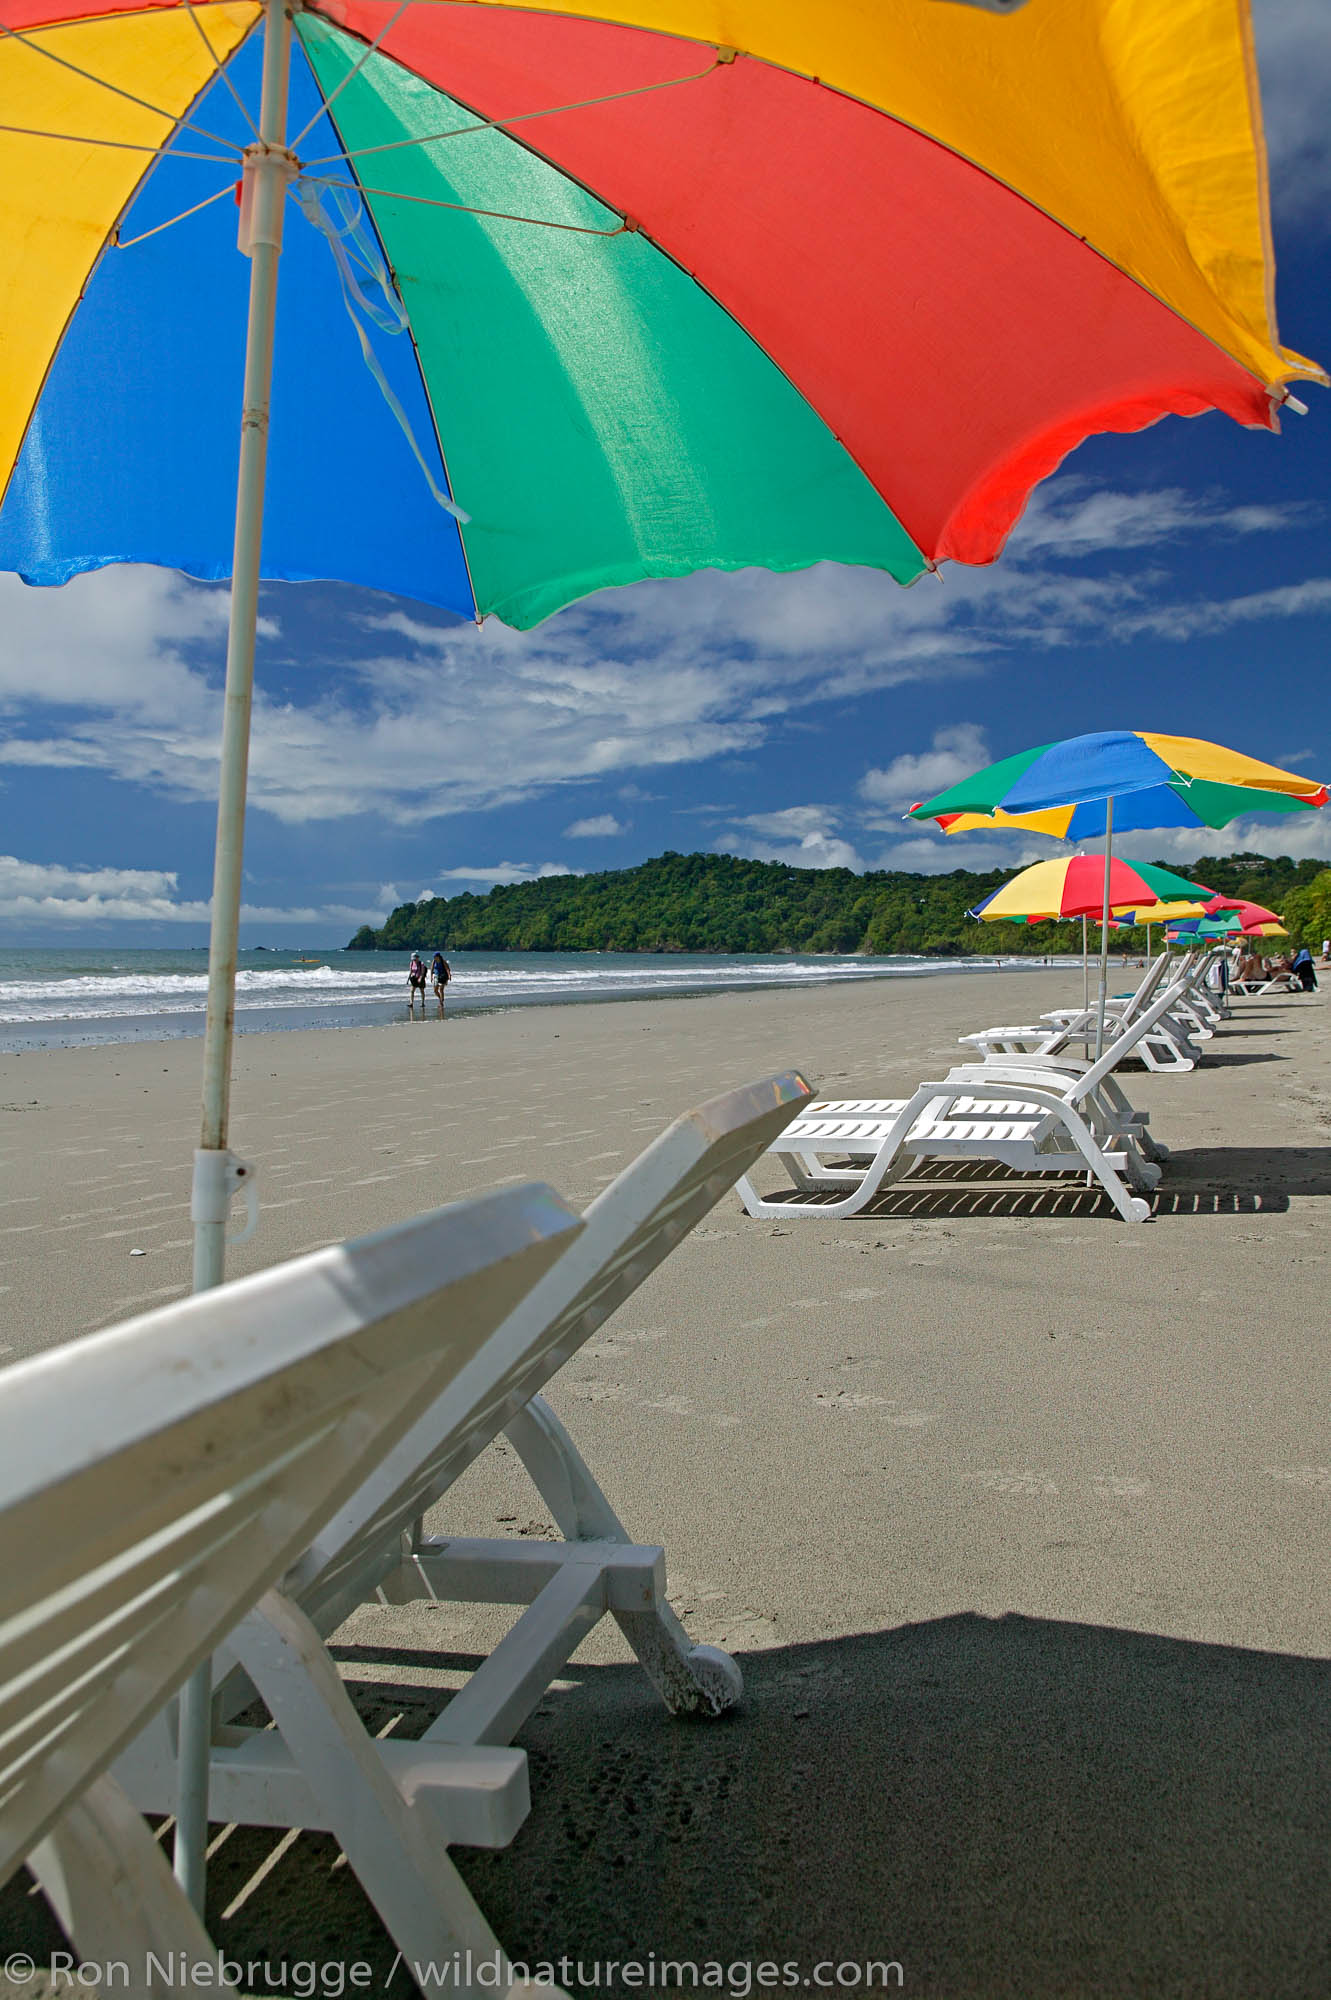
332 1012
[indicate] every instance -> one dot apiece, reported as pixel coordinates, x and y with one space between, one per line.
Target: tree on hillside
723 903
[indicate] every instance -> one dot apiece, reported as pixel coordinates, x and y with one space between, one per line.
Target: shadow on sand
1220 1180
1007 1807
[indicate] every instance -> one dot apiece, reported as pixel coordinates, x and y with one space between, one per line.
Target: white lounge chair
1033 1116
317 1768
157 1477
1168 1046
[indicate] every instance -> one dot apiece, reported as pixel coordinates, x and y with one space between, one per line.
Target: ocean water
64 998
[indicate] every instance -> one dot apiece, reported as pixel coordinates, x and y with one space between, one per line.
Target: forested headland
716 902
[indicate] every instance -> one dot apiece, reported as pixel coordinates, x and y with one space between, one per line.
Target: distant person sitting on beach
1303 969
440 974
416 984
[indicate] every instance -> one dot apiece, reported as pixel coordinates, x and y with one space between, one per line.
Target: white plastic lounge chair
1168 1046
156 1477
1030 1115
317 1768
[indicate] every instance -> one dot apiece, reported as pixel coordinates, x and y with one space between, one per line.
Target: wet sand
1014 1514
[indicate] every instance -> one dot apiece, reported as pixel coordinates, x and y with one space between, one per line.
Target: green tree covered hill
715 902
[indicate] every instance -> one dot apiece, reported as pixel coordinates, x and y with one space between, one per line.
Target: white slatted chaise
376 1549
1035 1117
155 1479
1169 1045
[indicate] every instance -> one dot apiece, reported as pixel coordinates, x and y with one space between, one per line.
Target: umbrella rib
624 228
518 118
38 48
128 242
119 145
221 69
326 102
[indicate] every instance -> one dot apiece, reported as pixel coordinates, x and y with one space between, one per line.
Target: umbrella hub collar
267 172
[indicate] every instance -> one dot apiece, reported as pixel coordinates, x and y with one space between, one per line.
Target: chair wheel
1140 1210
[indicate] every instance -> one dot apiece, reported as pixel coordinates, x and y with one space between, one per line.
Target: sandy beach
1013 1514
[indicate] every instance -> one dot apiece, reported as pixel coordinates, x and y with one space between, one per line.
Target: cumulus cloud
913 776
602 826
801 836
38 893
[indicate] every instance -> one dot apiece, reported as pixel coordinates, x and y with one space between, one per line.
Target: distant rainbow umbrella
1074 887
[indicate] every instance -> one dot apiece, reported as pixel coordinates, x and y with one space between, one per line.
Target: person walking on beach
440 974
416 984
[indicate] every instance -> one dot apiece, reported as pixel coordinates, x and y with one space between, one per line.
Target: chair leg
425 1905
1131 1207
119 1904
691 1680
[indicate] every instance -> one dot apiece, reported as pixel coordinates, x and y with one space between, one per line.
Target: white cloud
815 850
1072 518
1294 57
1304 836
955 753
507 871
1187 621
37 893
801 836
921 854
601 827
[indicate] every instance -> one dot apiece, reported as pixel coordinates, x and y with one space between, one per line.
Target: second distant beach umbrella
1075 888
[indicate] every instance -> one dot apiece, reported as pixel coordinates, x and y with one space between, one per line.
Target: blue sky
1178 580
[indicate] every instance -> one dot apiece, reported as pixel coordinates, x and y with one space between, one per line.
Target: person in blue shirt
440 974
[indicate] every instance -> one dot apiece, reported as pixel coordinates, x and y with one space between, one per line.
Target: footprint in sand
592 1390
882 1406
618 1342
1031 1485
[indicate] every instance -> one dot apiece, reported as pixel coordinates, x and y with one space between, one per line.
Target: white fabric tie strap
355 249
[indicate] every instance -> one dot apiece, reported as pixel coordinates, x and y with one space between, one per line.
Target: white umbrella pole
1104 936
268 174
1085 970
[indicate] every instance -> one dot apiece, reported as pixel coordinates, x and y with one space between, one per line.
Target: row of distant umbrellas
1087 786
1140 892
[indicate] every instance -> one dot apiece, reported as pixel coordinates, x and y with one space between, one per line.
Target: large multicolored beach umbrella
673 283
1139 778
